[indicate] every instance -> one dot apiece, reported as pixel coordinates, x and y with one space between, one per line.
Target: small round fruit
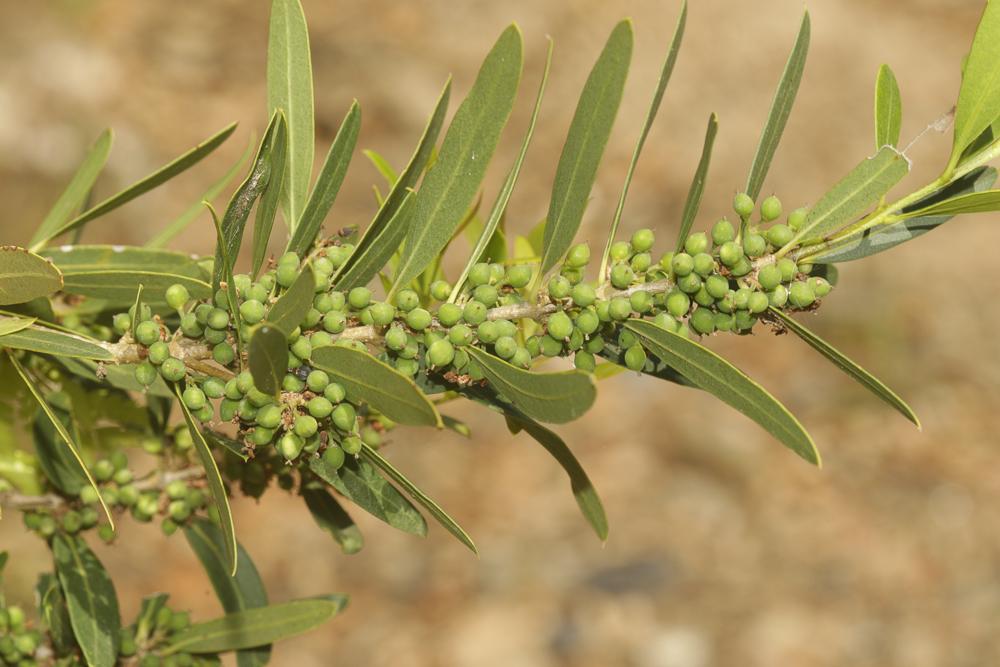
474 313
641 302
820 286
382 313
635 357
290 446
620 308
788 269
583 295
333 456
252 311
743 205
778 297
588 322
642 240
441 353
559 325
578 256
319 407
703 321
145 373
754 245
359 297
213 388
801 294
742 267
723 232
505 347
223 353
172 369
549 346
690 283
121 323
682 264
286 274
779 235
622 276
190 326
334 392
704 264
769 276
797 218
269 416
559 287
519 275
449 314
486 295
770 209
305 426
665 321
334 322
730 253
460 335
487 332
352 445
717 286
440 290
585 361
479 274
696 243
407 300
147 333
620 251
757 303
344 417
678 303
418 319
177 296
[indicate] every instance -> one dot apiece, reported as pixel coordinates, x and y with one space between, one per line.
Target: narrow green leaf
157 178
382 166
863 377
290 309
215 485
14 324
978 104
583 489
256 627
43 340
181 222
73 259
781 107
25 276
227 274
332 518
60 428
328 183
253 186
419 496
450 187
55 613
654 108
360 483
376 383
879 239
76 193
727 383
855 194
234 447
373 256
118 288
59 465
267 357
588 135
888 108
974 202
457 426
137 308
389 213
267 208
244 591
554 398
290 88
145 622
90 598
693 201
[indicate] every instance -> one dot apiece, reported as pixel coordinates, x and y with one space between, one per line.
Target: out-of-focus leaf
75 194
383 166
332 518
588 135
149 608
59 465
450 187
267 356
888 108
90 599
14 324
25 276
55 613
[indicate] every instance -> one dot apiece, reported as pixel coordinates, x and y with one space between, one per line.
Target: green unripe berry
479 274
620 308
583 295
292 383
190 326
642 240
286 274
301 348
204 413
704 264
744 321
797 218
322 302
521 358
770 209
317 381
559 287
172 369
440 353
352 445
333 456
147 333
334 392
440 290
258 292
290 446
641 262
696 243
418 319
258 398
742 298
717 286
289 259
806 268
620 251
487 332
778 297
534 346
505 347
359 297
223 353
779 235
319 407
334 322
578 256
449 314
682 264
244 383
486 295
801 294
179 511
460 335
665 321
559 325
474 313
218 319
626 339
344 417
603 310
396 338
213 387
742 267
820 286
743 205
641 302
214 336
71 522
588 322
703 298
520 275
724 322
228 409
549 346
269 416
678 303
703 321
146 313
723 232
757 303
201 312
252 311
769 276
122 476
176 490
382 314
585 361
407 300
407 366
121 323
788 269
88 495
635 357
177 296
305 425
145 373
731 253
365 317
690 284
754 245
595 344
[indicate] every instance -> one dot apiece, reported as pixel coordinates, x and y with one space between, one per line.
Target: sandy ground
725 549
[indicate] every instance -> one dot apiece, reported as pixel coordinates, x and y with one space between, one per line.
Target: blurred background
725 549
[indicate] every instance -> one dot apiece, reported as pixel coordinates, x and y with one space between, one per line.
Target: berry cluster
18 642
140 641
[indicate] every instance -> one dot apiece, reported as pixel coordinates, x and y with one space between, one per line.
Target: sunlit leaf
25 276
693 201
888 109
978 104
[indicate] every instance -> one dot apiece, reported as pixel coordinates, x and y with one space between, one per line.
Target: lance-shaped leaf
25 276
489 231
14 324
267 208
74 259
215 486
290 88
75 194
157 178
291 307
118 288
90 599
244 591
653 367
373 255
389 214
978 104
841 361
55 613
267 357
881 238
693 201
227 275
181 222
382 165
854 195
554 398
974 202
727 383
583 489
376 383
256 627
234 220
328 183
60 429
450 187
58 464
654 107
888 108
588 135
43 340
419 496
781 107
332 518
358 481
136 308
